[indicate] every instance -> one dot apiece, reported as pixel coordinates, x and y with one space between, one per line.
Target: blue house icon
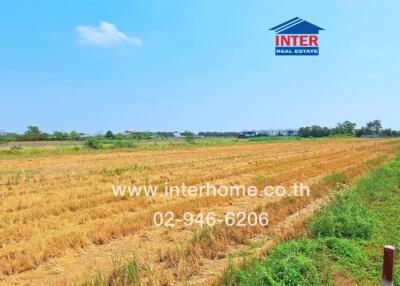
296 26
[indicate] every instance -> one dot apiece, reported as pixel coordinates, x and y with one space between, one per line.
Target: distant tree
93 143
59 135
109 135
339 129
326 131
316 131
361 131
32 133
348 127
388 132
373 127
119 136
163 135
345 128
145 135
73 135
304 132
32 130
189 136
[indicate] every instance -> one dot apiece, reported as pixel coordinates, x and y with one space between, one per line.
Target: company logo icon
296 37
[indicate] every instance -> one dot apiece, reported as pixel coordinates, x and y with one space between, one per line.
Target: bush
14 149
346 217
295 270
289 264
122 143
93 143
294 263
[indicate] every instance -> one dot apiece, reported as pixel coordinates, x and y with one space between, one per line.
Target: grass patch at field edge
344 241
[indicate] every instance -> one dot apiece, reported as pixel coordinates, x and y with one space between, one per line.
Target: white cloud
107 34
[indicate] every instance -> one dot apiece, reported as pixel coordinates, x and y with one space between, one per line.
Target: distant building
373 136
248 134
4 133
83 136
177 134
129 132
270 132
289 132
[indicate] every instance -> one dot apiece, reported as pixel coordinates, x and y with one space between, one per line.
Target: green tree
388 132
109 135
119 136
374 127
345 128
189 136
316 131
32 133
349 127
32 130
60 136
305 132
73 135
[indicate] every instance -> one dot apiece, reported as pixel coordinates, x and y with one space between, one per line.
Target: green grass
334 179
94 143
344 241
345 218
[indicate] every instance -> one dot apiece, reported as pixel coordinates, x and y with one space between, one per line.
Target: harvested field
60 220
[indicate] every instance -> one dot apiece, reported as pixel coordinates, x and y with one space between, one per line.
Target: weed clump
124 273
294 264
346 217
14 149
95 143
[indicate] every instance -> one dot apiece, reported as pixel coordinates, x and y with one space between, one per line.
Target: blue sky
194 65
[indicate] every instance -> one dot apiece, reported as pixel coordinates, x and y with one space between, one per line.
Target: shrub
294 263
295 270
346 217
289 264
345 252
334 179
15 149
93 143
122 143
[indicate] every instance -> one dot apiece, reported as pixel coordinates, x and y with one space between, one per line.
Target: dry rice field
60 222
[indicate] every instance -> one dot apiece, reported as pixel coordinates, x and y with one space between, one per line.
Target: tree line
371 129
347 128
33 133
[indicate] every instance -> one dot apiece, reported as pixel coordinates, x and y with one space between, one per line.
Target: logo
296 37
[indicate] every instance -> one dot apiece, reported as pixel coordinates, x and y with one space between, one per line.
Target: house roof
296 26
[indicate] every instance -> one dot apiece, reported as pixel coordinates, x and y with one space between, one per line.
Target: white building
177 135
270 132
